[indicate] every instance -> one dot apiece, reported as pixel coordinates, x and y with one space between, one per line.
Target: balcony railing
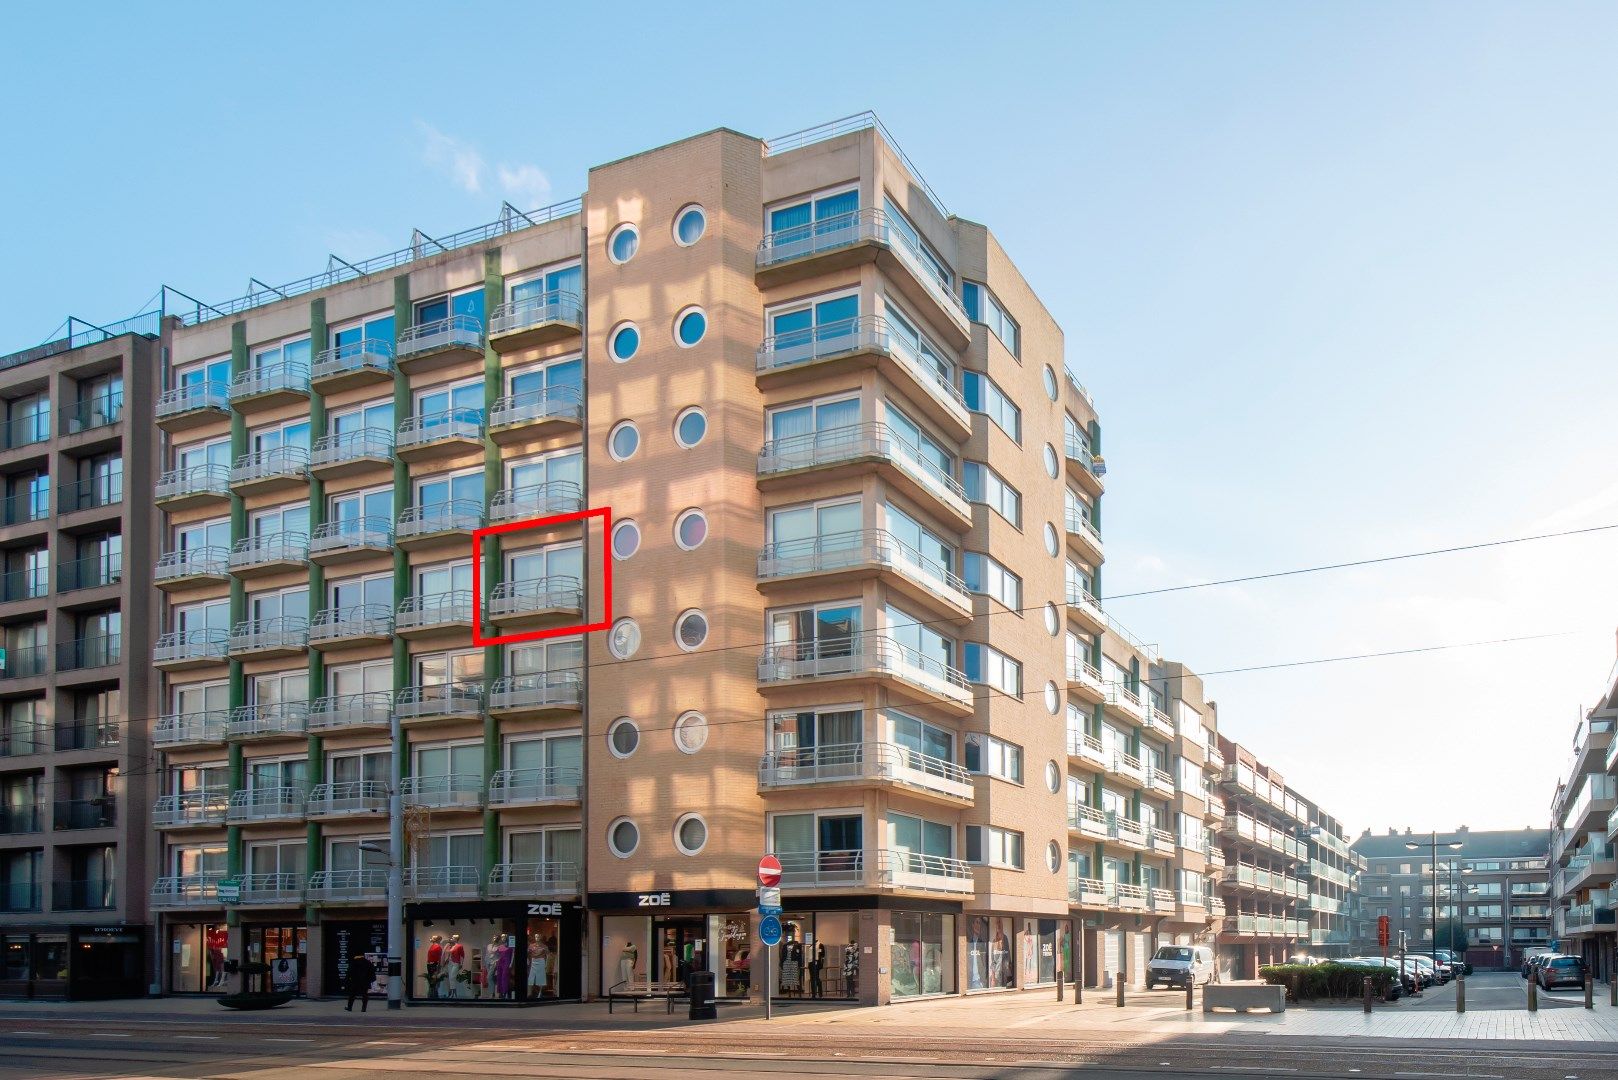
91 572
182 729
881 761
351 621
348 797
271 889
83 895
866 333
1079 525
874 869
283 803
190 808
444 791
519 787
534 879
268 635
193 397
456 515
563 402
1126 700
868 652
106 489
88 734
210 478
1084 818
282 547
855 442
436 427
338 711
368 533
25 430
439 701
25 506
434 609
1126 830
1083 745
367 444
98 813
559 592
370 355
282 462
285 377
1087 892
554 306
347 886
21 819
96 411
517 504
559 689
1121 895
456 332
22 737
869 547
1085 674
442 882
30 584
190 890
96 651
260 721
26 662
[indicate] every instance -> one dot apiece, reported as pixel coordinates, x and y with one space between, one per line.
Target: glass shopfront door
680 946
285 949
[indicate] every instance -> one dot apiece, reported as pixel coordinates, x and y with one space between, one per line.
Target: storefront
197 956
493 953
1047 948
284 948
922 956
341 942
79 963
819 956
663 936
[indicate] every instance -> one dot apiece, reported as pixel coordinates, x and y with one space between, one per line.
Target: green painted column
494 293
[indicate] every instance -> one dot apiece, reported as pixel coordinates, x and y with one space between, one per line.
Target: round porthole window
1053 542
624 640
1053 699
623 737
623 440
1053 857
691 630
1053 464
623 342
1050 383
691 529
623 242
625 540
623 837
690 834
1053 621
690 732
689 225
690 427
1053 777
689 327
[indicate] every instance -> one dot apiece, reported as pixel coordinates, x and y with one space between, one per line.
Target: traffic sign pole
769 927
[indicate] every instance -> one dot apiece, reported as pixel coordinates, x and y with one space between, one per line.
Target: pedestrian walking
361 974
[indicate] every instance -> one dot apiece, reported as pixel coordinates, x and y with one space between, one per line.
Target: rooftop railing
846 125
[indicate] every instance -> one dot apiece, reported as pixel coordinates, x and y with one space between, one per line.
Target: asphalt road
1496 991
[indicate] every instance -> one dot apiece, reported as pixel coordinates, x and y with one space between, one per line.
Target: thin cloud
525 185
458 160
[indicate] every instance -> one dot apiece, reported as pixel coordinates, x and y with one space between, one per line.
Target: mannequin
792 965
817 962
1000 959
627 961
217 939
539 963
851 970
455 962
435 965
502 969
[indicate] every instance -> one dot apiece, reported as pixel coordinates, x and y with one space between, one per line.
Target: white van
1173 965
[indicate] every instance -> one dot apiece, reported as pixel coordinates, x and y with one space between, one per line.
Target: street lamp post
395 853
1432 843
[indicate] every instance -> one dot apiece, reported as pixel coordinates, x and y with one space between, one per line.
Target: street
1498 991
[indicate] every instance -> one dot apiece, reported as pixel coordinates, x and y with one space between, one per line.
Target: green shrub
1328 979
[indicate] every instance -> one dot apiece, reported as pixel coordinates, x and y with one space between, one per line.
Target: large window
291 434
375 416
293 351
984 575
814 417
467 302
444 404
545 286
439 491
796 328
910 436
213 374
797 221
920 737
927 646
290 520
554 561
911 238
982 306
349 339
910 837
811 532
932 550
559 380
822 629
994 757
991 667
991 845
984 396
984 485
531 476
349 510
797 736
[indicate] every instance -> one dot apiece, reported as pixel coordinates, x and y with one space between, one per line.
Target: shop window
989 960
923 954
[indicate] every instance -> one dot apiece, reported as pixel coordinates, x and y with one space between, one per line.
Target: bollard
1078 988
1190 988
1059 986
1533 994
1366 987
1612 987
1118 980
1589 990
1460 994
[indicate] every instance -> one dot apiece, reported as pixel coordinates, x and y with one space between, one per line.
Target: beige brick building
855 504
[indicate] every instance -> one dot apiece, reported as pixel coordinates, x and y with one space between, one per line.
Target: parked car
1455 960
1530 964
1442 964
1554 971
1175 965
1400 985
1429 967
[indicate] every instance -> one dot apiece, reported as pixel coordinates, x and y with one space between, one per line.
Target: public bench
637 992
1244 996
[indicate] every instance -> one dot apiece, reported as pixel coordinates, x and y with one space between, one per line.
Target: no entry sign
769 871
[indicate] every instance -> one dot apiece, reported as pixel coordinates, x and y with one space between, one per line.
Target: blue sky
1341 278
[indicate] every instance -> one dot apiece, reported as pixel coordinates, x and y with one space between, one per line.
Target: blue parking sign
769 930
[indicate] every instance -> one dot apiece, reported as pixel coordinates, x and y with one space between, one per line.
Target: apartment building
853 506
1335 874
1583 826
1495 883
76 623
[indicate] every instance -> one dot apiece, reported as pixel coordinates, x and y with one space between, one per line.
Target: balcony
539 500
439 701
88 653
21 739
1214 854
26 662
855 449
357 363
355 624
83 896
33 584
91 493
347 887
539 598
283 636
536 412
176 730
866 554
1160 840
1127 769
27 507
870 654
449 791
348 798
554 786
191 809
537 694
1085 610
276 720
1158 722
447 434
271 889
863 236
76 814
270 385
437 521
349 453
894 871
350 539
1127 897
1088 821
439 344
182 408
1084 679
191 567
1589 871
275 553
1087 892
89 733
548 316
1125 702
1163 900
16 820
99 412
351 712
866 764
523 880
280 469
1088 749
188 891
1081 464
436 611
179 650
922 370
193 486
1126 832
91 572
1215 760
1159 781
442 882
258 806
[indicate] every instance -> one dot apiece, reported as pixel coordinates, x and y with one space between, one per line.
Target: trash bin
699 986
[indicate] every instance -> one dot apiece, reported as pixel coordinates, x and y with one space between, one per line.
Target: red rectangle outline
602 512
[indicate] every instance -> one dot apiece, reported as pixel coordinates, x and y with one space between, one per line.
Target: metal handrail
362 884
90 572
369 530
348 795
352 446
190 644
876 868
462 330
281 375
423 428
539 878
439 699
861 651
860 333
1082 744
559 592
846 125
453 515
432 609
1080 815
870 439
522 785
443 790
840 551
554 305
182 889
1126 699
351 710
270 888
1085 672
552 497
280 632
857 226
271 547
862 760
1076 522
1086 890
203 395
212 477
204 726
442 879
564 686
92 491
96 411
375 354
190 807
277 461
549 403
351 620
276 718
251 804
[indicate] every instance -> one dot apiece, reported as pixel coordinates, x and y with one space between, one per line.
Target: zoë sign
544 909
654 899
